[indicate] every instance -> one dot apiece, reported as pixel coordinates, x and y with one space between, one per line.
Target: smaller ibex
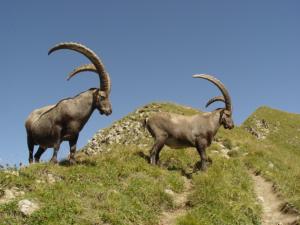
178 131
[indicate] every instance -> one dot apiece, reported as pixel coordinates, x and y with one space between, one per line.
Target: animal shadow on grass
86 162
168 165
143 155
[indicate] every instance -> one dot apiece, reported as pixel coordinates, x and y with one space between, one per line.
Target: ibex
50 125
177 131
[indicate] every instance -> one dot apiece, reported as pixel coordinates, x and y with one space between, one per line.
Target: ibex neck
216 119
85 103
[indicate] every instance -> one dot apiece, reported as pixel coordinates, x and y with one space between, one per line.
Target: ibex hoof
200 166
36 160
72 161
203 168
53 161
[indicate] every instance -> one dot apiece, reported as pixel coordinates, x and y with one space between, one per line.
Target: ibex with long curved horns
50 125
177 131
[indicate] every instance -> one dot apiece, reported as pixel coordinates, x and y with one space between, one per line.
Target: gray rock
27 207
169 192
8 195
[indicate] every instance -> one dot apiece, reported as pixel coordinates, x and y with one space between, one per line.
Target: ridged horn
215 99
221 87
86 68
83 68
98 65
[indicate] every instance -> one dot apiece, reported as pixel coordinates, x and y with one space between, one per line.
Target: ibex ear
227 112
102 94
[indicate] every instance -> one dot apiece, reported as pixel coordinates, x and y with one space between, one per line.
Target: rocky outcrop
127 131
260 128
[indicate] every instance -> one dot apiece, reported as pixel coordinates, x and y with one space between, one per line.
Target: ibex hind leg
56 146
54 156
38 154
158 145
30 145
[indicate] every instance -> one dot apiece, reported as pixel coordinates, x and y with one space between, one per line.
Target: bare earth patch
169 217
271 204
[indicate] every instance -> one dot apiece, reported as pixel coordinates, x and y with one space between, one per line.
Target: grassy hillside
113 182
276 152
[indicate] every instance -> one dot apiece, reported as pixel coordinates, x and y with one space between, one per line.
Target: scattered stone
261 199
27 207
224 153
236 148
12 172
40 181
220 144
51 179
271 165
169 192
8 195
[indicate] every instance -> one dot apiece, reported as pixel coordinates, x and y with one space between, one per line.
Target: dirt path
271 204
169 217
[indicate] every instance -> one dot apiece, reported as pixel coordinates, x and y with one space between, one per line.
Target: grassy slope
120 187
277 157
117 187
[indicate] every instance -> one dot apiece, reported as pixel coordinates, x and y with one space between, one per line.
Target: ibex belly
175 143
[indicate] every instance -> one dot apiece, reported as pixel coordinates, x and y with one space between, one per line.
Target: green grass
277 157
120 186
222 196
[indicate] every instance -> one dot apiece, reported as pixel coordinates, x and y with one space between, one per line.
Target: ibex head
226 119
226 113
102 102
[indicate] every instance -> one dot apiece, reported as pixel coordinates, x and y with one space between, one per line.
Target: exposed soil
272 204
169 217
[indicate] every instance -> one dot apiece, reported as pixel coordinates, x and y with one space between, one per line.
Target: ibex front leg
72 144
201 145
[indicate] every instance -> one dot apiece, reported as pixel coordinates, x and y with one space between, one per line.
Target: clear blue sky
151 49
